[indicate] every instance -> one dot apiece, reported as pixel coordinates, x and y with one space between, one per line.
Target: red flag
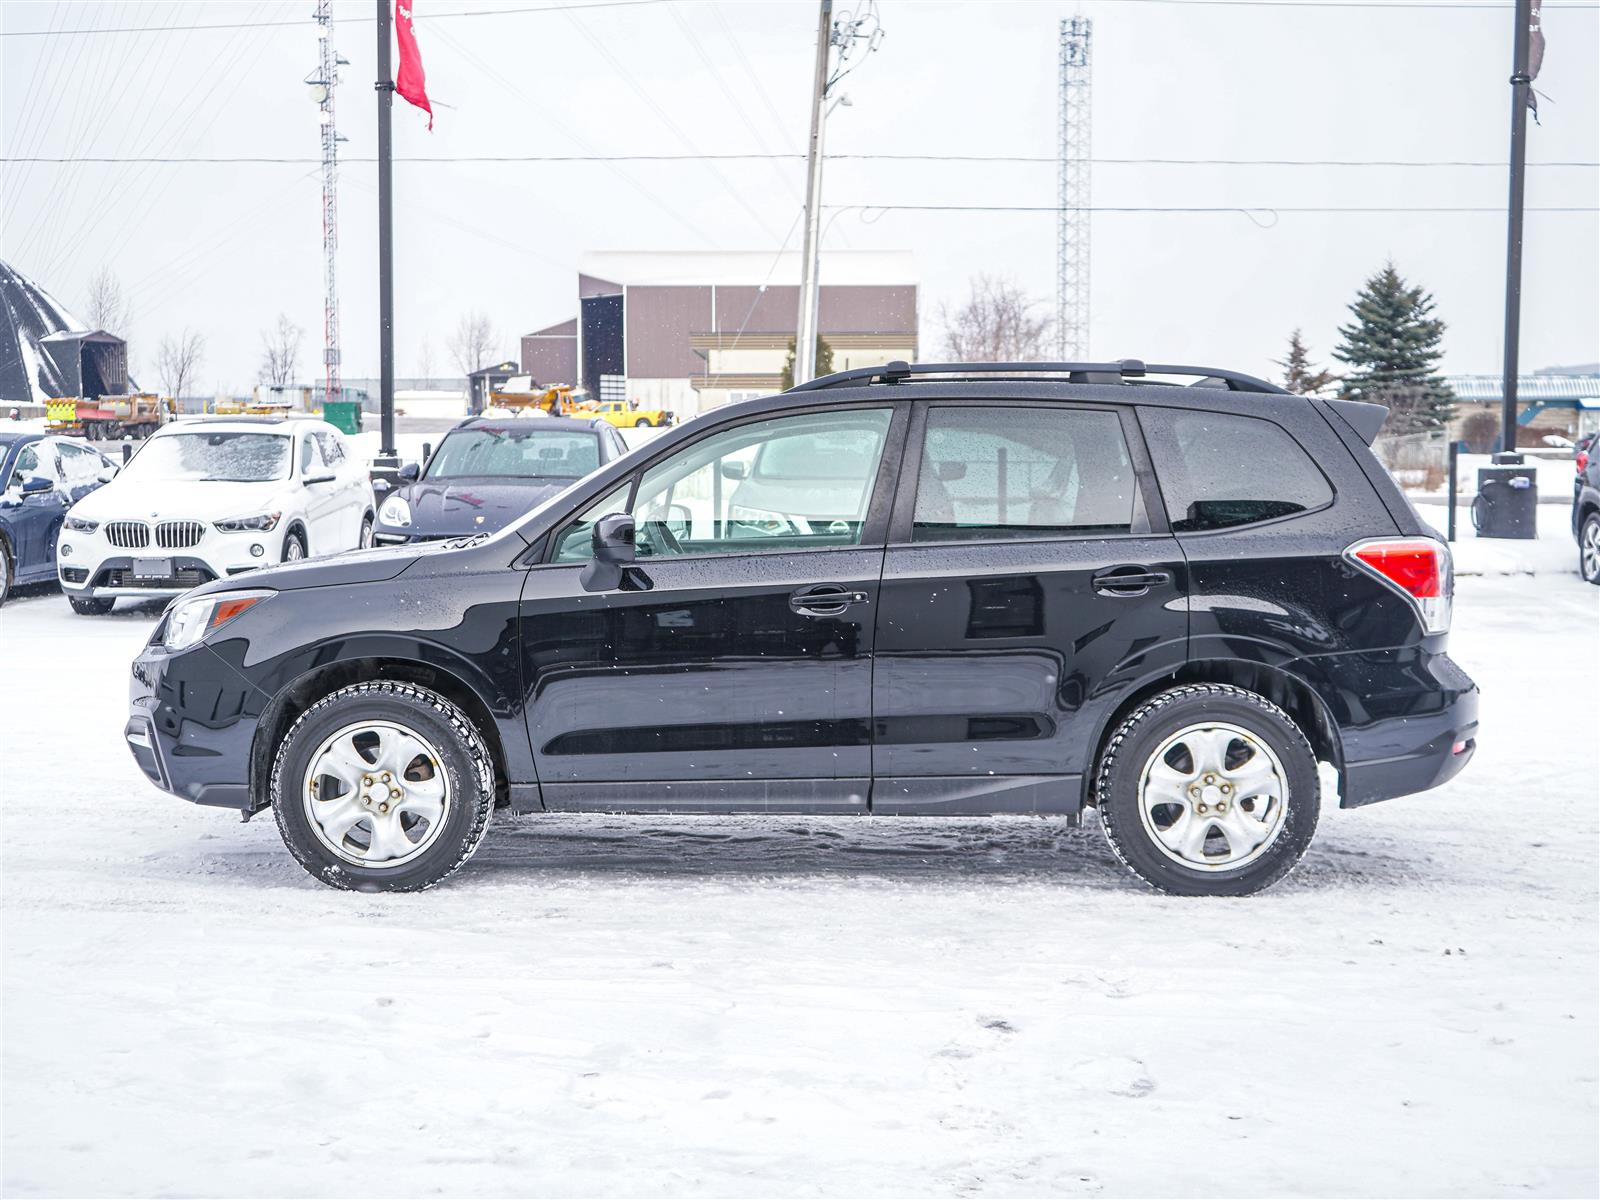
410 82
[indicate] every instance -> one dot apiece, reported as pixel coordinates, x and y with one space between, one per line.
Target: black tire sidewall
90 606
469 800
294 535
1119 791
1583 531
5 572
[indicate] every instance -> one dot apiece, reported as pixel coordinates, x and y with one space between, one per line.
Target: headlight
190 621
395 511
258 522
79 525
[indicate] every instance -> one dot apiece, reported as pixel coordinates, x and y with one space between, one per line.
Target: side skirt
947 796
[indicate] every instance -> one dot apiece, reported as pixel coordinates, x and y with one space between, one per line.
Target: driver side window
788 483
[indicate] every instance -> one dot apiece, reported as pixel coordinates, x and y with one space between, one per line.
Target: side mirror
735 470
410 473
613 543
313 479
949 472
35 485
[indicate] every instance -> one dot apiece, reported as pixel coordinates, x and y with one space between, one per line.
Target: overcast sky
224 248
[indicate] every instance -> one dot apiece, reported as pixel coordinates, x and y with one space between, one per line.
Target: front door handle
1129 580
824 600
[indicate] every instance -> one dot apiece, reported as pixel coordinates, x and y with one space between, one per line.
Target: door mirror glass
613 545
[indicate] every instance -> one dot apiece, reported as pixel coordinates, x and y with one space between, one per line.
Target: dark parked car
1586 508
489 471
40 478
903 590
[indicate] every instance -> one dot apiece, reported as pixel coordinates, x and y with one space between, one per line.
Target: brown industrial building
691 331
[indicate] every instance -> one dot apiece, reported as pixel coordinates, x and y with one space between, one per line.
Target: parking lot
760 1006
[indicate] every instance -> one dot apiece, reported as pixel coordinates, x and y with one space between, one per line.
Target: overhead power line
520 10
268 160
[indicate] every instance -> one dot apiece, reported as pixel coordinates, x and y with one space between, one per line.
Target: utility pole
850 30
322 85
1520 84
805 340
387 458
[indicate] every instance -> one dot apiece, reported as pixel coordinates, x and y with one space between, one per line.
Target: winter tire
90 606
294 546
382 786
1208 790
366 533
5 571
643 423
1589 548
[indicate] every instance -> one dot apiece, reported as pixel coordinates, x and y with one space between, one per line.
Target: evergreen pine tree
824 362
1299 376
1392 349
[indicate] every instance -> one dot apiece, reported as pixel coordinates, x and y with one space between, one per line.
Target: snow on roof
1529 387
688 268
29 315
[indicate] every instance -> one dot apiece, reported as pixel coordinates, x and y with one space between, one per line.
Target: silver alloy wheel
1591 549
376 794
293 551
366 533
1213 797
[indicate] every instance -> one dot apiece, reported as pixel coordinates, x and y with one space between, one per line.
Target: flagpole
1520 83
387 457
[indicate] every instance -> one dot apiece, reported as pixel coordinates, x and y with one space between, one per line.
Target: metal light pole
805 341
385 87
1520 83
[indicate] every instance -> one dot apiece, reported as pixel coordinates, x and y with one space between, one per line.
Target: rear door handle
824 600
1129 581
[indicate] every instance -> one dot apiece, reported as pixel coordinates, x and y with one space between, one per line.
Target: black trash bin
1507 505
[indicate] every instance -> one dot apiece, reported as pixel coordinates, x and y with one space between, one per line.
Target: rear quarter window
1219 470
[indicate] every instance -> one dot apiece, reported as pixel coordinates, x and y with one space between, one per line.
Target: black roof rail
1123 371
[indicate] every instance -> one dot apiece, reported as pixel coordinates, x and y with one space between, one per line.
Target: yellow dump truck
110 417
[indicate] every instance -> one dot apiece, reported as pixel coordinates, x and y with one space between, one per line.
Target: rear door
732 669
1028 580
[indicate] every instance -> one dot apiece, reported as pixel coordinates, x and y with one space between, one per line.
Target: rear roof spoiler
1366 419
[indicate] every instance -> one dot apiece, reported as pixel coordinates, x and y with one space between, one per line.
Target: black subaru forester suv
961 589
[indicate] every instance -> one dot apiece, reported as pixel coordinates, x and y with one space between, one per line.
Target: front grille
128 535
184 577
74 574
179 535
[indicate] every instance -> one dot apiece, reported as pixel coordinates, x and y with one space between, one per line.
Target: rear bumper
1399 756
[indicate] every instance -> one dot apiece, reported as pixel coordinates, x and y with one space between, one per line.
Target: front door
1023 588
325 500
732 670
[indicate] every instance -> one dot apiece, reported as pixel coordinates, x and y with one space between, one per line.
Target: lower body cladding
193 719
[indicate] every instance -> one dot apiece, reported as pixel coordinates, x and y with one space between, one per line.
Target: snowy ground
847 1007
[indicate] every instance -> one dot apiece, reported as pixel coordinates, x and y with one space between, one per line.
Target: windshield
513 452
212 456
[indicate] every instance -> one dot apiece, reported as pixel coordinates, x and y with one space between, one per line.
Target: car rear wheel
1589 548
1209 790
90 606
382 786
643 423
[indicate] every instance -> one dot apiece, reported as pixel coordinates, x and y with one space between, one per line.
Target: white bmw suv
206 499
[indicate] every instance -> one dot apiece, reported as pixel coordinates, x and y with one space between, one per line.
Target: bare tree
996 324
280 352
108 308
472 342
425 360
178 361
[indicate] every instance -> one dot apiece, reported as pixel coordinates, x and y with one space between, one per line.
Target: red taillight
1582 460
1417 568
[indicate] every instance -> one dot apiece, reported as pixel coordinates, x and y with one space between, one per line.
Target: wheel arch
1283 688
311 686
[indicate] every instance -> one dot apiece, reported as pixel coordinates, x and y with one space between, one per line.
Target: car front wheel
1208 790
382 786
1589 548
89 606
294 547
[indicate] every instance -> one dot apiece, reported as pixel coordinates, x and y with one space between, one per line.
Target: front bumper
88 565
191 720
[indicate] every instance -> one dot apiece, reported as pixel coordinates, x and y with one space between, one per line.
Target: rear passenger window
1218 471
1033 471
